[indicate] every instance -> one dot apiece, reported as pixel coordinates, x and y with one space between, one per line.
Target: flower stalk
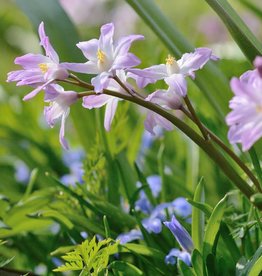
221 144
205 145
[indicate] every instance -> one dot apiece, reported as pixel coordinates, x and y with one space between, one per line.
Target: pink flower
174 72
99 100
59 108
168 99
39 70
105 57
245 119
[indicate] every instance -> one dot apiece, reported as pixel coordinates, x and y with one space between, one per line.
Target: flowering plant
142 208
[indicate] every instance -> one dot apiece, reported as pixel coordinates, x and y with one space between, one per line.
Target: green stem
129 91
212 152
256 164
220 143
195 118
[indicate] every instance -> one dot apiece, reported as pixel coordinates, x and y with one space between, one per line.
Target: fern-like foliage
95 169
91 257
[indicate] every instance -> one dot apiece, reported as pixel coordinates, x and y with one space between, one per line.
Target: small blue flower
143 204
155 184
73 156
175 254
154 222
73 159
130 236
181 207
22 172
180 233
152 225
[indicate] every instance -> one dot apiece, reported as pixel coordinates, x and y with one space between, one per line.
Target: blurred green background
26 141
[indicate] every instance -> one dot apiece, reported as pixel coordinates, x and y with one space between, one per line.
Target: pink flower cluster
112 64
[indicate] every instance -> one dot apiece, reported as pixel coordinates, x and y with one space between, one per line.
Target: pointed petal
106 39
165 98
95 101
150 122
100 82
32 94
89 48
191 62
126 61
87 68
178 83
124 43
180 234
148 75
44 41
31 61
62 139
153 119
110 112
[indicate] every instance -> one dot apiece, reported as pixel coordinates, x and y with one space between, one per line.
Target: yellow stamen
101 56
259 109
170 60
43 67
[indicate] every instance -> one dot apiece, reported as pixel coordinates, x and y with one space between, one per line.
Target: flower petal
31 61
87 68
123 45
62 139
178 83
105 43
180 234
110 112
32 94
95 101
44 41
126 61
165 98
89 48
191 62
100 82
258 65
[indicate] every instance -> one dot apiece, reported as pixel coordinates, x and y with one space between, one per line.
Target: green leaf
58 217
31 183
252 7
143 180
252 266
210 80
5 261
106 226
198 218
192 164
204 207
229 242
157 264
211 264
213 226
143 250
197 262
126 268
185 270
256 164
256 268
89 256
245 39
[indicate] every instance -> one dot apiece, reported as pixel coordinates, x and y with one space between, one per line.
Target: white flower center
43 67
171 65
102 61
